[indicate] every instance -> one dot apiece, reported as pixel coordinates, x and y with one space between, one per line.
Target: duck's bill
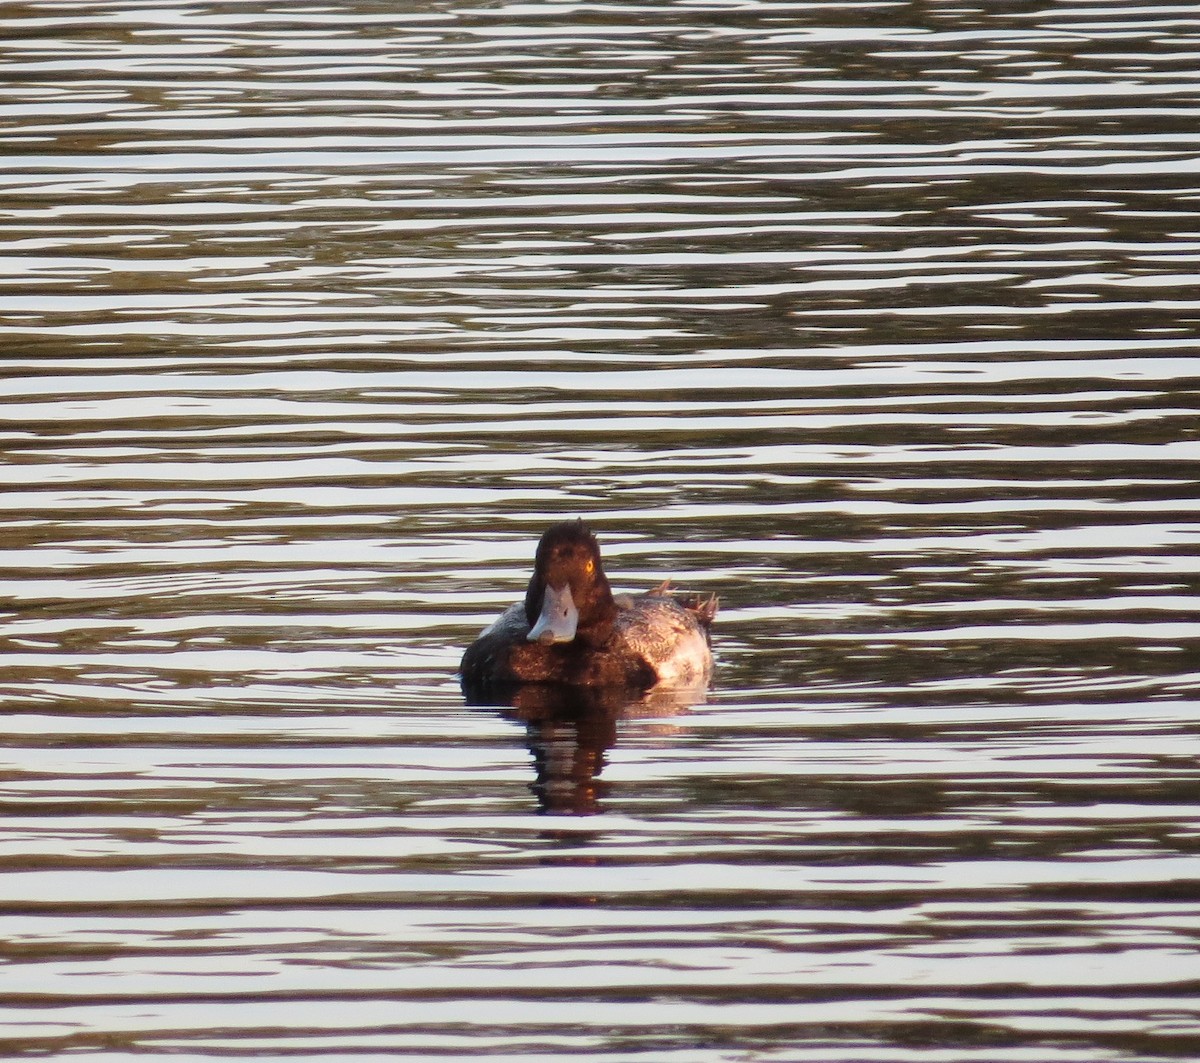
558 618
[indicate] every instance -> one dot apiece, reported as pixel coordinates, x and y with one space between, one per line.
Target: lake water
879 320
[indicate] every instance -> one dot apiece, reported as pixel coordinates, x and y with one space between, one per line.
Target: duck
572 631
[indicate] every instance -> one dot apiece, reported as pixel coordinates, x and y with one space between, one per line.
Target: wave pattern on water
879 321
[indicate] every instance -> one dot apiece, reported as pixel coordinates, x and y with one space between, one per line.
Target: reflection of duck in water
572 659
571 630
569 730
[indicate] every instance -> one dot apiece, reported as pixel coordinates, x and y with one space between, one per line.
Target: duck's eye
589 566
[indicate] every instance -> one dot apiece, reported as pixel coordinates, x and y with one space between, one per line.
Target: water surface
877 320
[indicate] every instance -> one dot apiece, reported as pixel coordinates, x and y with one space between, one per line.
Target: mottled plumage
570 629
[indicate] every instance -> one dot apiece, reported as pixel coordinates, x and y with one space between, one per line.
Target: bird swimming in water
572 630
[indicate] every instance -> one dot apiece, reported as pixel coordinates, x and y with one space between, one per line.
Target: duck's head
569 599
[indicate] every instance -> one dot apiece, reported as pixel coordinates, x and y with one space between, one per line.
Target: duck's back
671 638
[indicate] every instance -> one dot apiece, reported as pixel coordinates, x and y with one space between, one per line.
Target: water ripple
879 321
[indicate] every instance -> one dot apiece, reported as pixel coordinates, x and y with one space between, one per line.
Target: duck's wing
480 662
669 638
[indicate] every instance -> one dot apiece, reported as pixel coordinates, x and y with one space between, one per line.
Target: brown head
569 599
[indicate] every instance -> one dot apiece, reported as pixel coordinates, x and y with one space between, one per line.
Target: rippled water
879 320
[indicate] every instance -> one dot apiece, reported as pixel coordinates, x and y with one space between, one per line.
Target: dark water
879 320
